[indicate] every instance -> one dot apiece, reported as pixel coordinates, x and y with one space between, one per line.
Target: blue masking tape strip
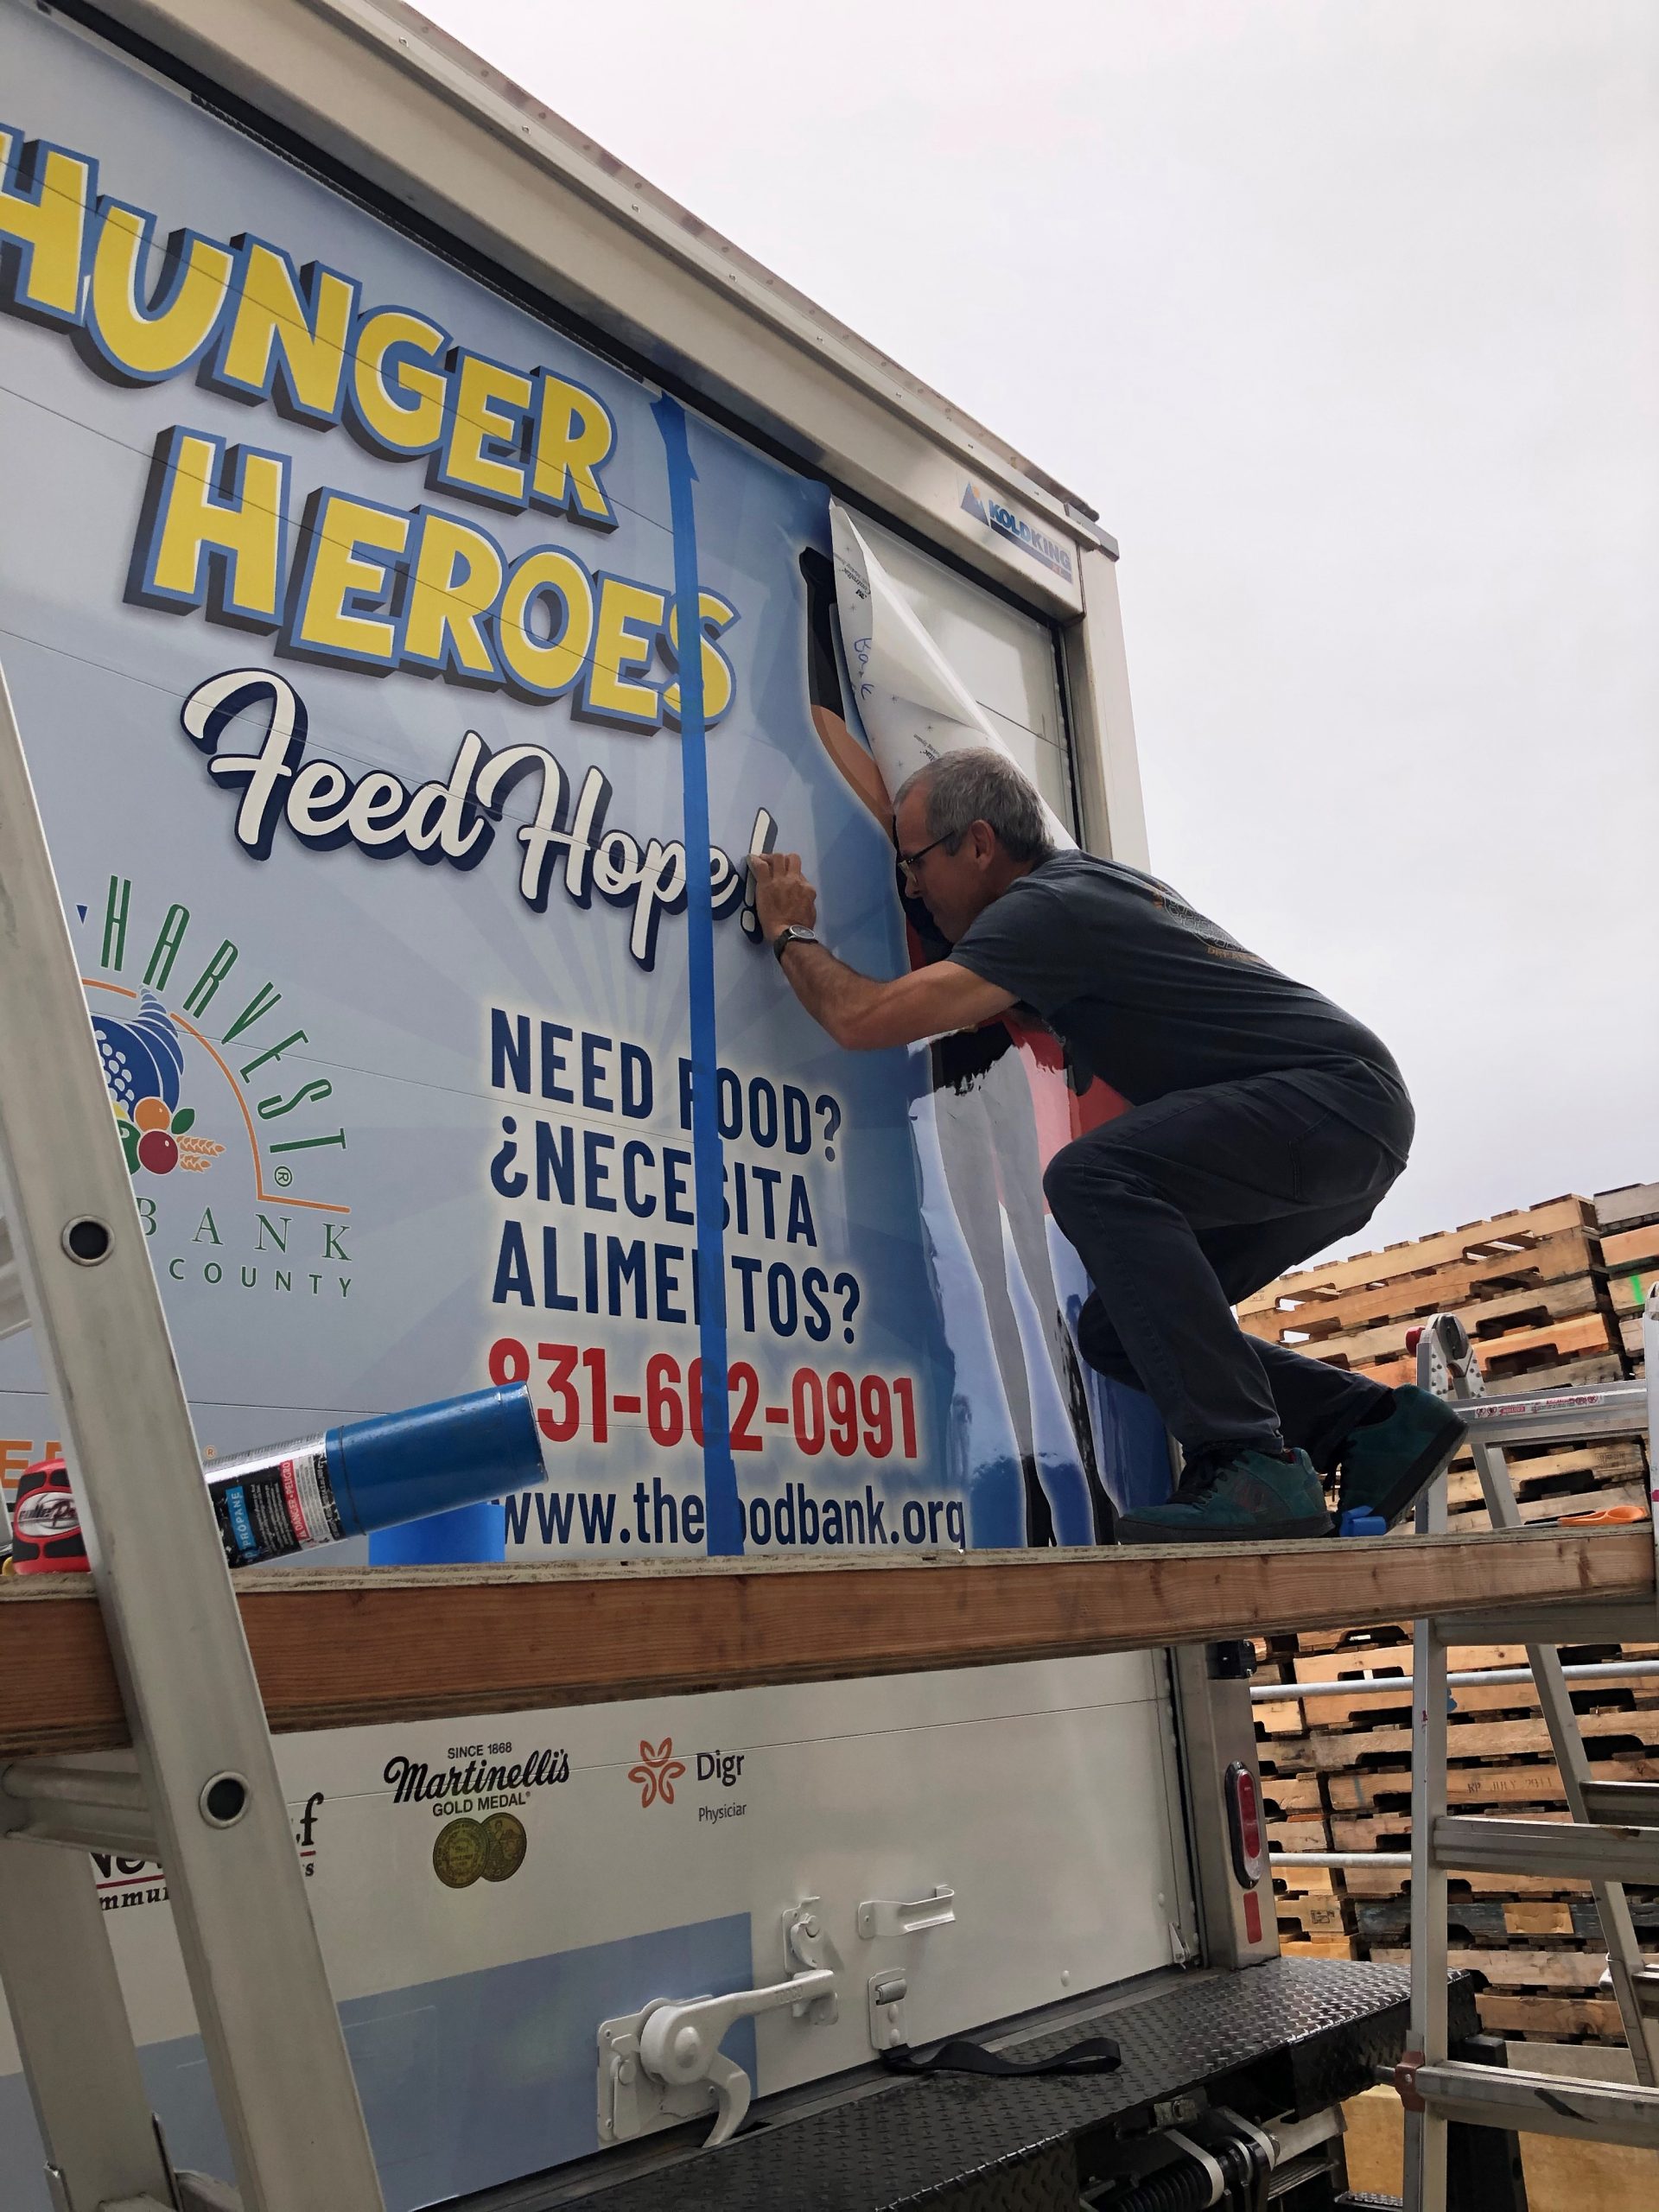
722 1507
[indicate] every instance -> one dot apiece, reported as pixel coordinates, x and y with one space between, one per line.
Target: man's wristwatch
791 933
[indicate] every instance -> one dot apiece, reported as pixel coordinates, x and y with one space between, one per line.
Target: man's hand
782 896
859 1012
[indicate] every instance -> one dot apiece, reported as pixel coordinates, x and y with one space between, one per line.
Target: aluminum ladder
199 1789
1611 1838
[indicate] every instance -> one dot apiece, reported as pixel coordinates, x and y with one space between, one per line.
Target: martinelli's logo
144 1067
208 1067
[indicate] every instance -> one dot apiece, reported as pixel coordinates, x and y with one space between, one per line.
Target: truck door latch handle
662 2063
878 1916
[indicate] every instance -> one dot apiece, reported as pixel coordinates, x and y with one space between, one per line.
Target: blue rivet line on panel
722 1507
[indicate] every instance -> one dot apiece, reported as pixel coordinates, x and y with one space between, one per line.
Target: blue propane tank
378 1473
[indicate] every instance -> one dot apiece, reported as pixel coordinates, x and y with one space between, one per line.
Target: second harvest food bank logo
208 1068
143 1064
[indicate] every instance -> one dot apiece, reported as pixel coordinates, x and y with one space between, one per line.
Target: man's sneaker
1386 1466
1246 1497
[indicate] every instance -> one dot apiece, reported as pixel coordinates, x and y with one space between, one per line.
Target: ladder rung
96 1803
1566 1847
1626 1804
13 1306
198 2193
1540 2104
1555 1416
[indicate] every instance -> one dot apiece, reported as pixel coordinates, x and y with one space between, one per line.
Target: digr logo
658 1770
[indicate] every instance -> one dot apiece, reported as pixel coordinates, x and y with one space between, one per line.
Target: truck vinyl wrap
339 608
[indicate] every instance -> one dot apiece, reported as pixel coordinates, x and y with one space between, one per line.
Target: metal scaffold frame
199 1789
1612 1835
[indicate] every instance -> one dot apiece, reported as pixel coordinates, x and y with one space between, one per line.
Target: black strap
1094 2055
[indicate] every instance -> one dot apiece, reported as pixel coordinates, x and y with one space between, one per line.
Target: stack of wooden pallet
1628 1222
1551 1296
1531 1287
1337 1776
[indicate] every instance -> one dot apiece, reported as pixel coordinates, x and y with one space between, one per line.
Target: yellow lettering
456 576
43 203
284 345
575 437
397 389
149 343
341 575
222 509
718 680
546 579
629 617
478 422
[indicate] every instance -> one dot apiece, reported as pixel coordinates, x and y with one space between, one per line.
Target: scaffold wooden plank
343 1649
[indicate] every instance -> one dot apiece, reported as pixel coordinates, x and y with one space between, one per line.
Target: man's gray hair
981 785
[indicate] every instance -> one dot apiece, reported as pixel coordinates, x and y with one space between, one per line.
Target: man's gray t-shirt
1152 997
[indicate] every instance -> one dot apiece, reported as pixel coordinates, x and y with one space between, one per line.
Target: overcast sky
1345 315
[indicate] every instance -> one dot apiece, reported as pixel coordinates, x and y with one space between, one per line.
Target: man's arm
859 1012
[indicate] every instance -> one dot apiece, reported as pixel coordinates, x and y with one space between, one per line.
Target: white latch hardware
889 1918
807 1949
664 2062
878 1916
887 1993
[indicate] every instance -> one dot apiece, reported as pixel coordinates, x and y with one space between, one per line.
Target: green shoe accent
1252 1497
1386 1468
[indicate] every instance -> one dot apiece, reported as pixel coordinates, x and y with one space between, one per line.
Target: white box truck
358 419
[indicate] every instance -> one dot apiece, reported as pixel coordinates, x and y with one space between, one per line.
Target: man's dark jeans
1181 1207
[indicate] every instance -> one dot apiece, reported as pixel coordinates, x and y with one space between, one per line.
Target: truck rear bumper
1294 2035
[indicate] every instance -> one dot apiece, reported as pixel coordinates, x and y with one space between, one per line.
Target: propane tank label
284 1505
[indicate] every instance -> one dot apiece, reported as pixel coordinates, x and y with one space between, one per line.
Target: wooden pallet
1467 1738
1539 1475
1633 1251
1630 1241
1538 1972
1496 1923
1486 1786
1570 1354
1635 1206
1319 1947
1500 1236
1283 1314
1510 1321
1549 2020
1314 1918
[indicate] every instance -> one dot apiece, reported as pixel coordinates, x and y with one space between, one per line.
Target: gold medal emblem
505 1845
460 1854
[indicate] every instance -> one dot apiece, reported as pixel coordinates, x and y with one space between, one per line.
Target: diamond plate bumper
1309 2031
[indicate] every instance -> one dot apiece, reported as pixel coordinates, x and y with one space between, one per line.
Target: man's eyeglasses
912 862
